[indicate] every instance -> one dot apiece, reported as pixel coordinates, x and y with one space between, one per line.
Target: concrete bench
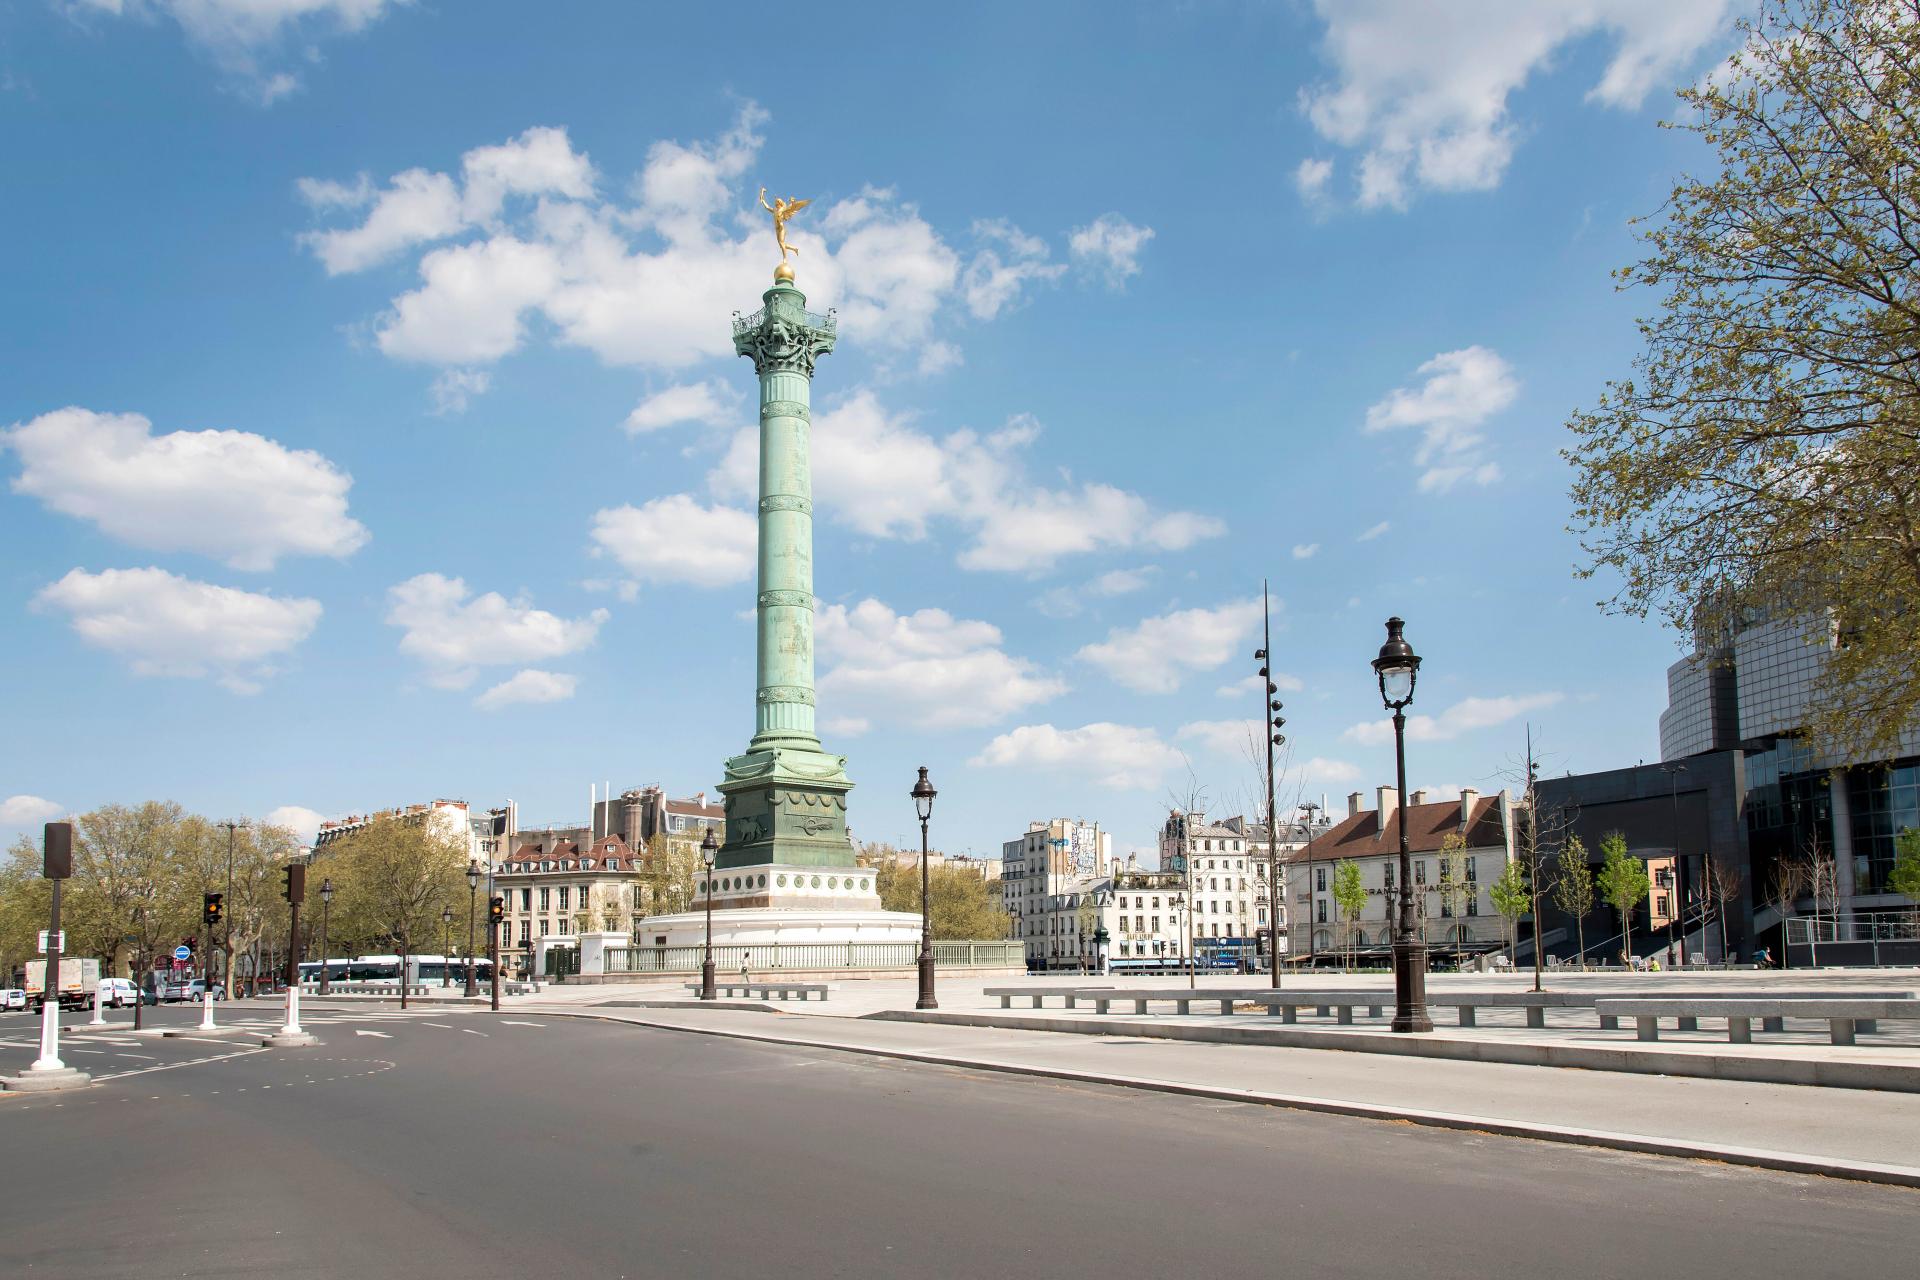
767 990
1844 1015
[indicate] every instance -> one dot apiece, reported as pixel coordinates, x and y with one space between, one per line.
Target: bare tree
1723 883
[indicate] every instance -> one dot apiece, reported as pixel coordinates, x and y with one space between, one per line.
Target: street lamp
473 899
923 794
1181 938
1275 894
708 848
326 955
446 943
1398 667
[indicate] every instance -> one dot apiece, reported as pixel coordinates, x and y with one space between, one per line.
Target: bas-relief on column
786 796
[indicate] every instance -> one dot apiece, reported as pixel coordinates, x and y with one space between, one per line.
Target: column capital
783 336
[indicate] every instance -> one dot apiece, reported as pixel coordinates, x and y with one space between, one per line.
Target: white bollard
49 1059
99 1018
290 1035
206 1008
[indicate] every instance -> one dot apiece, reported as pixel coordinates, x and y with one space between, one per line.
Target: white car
12 998
118 993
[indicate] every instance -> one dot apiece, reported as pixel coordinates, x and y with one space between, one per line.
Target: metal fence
1868 938
999 954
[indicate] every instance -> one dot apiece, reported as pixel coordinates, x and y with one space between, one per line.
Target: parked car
12 998
196 991
117 993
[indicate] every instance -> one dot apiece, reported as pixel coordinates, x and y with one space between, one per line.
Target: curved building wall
1778 664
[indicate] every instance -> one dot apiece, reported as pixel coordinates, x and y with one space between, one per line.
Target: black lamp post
1398 667
326 901
473 901
446 944
923 794
1275 894
708 848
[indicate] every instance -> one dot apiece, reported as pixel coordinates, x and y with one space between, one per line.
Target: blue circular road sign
182 953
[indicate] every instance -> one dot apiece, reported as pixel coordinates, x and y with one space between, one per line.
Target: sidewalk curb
1626 1058
1749 1157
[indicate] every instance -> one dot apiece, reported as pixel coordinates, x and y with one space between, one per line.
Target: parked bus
421 970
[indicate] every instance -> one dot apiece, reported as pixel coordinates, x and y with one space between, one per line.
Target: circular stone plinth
45 1081
291 1040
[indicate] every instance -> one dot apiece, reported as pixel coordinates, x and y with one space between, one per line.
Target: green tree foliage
962 906
1624 884
1905 876
672 870
1573 888
1765 453
1349 897
391 878
1512 897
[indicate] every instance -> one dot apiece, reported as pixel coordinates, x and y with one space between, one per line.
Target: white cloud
1464 716
1227 739
232 495
165 625
1109 247
1422 90
527 686
993 281
1319 771
1121 756
876 473
22 811
454 389
1311 179
1462 390
1305 550
302 821
712 403
1153 656
469 309
1250 686
248 38
1120 582
416 207
926 668
1374 531
453 635
675 539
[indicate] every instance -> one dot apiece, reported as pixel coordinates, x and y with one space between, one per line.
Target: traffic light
191 943
213 908
295 889
496 910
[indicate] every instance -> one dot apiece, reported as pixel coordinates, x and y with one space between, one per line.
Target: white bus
385 970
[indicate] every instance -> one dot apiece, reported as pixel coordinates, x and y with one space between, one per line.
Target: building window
526 902
1320 879
1473 906
563 897
1320 910
1470 874
1419 870
544 903
1387 879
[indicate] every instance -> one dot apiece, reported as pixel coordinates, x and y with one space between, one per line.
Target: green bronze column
785 796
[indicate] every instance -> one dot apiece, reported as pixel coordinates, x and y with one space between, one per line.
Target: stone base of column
787 808
32 1081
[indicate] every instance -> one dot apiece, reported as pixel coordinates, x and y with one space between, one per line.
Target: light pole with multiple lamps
708 848
923 794
473 902
1397 668
326 955
1275 894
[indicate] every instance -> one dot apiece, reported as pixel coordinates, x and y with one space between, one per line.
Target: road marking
470 1031
380 1034
507 1022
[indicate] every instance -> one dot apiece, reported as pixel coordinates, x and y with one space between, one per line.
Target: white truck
79 979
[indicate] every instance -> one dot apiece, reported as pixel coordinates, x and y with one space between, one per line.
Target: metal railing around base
808 956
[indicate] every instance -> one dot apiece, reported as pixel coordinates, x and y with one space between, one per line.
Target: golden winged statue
781 211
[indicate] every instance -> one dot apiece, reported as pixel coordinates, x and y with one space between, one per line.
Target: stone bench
1844 1014
767 990
1223 999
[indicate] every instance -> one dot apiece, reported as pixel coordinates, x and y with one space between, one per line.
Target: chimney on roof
1468 797
1418 797
1353 803
1389 801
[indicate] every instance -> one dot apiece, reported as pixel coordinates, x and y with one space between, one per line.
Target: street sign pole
47 1071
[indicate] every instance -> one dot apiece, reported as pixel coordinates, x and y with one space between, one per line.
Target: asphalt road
462 1145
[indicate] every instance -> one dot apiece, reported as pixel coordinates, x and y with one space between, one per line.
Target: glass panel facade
1883 802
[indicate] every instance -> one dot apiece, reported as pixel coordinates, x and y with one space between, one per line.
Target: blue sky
1138 306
